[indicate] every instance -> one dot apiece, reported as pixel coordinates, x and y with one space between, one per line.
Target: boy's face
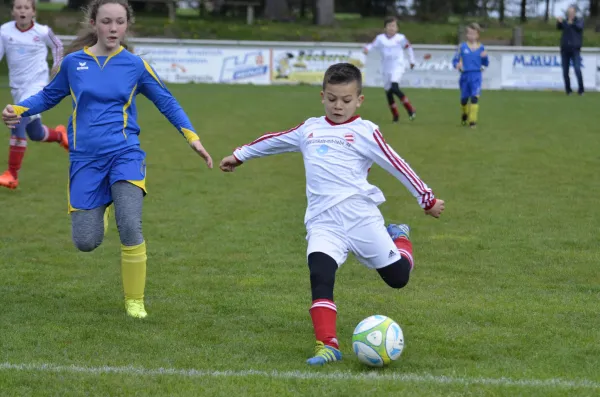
341 101
23 13
391 29
472 35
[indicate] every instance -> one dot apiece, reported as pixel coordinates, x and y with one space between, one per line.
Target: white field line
372 376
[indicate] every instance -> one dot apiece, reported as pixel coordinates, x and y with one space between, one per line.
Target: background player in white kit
391 45
26 44
342 214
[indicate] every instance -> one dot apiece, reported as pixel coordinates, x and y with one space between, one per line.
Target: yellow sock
465 109
133 270
473 113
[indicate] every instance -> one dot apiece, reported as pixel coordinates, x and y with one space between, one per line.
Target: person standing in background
570 47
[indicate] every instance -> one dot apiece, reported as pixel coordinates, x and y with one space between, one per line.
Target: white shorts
354 225
393 76
20 94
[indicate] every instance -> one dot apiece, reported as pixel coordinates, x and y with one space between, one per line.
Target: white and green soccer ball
377 341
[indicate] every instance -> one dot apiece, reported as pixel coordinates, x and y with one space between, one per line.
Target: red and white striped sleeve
56 46
271 143
408 47
376 148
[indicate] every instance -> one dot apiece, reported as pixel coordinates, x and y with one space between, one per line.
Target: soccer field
503 301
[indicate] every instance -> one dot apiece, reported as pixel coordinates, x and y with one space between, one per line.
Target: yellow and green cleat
135 308
324 354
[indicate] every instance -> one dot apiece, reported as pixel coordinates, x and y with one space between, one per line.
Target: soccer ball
377 341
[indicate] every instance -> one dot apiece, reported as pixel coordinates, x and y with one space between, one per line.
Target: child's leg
41 133
397 274
474 111
128 200
323 310
88 228
16 153
393 107
464 106
403 98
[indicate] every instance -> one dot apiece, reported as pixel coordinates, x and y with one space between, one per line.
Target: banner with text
208 64
308 65
543 71
433 69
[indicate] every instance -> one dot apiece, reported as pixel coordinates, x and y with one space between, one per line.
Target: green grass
505 285
348 28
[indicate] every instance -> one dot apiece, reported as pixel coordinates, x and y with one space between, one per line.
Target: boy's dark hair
343 73
389 20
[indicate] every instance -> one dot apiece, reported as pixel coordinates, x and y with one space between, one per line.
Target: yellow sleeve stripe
149 70
19 110
190 135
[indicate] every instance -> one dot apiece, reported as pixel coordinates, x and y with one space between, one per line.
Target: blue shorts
90 180
470 84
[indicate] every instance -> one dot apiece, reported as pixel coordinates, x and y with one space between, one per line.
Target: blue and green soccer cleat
398 231
324 354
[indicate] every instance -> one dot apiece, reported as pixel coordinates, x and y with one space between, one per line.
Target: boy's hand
560 19
484 54
437 209
10 117
412 66
198 148
365 51
229 163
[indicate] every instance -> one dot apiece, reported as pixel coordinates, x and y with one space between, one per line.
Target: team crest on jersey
310 136
82 66
36 39
349 137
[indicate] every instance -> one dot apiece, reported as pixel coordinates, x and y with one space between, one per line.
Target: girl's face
23 13
111 25
472 35
391 29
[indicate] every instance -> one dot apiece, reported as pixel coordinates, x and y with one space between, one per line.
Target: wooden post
171 7
517 39
461 34
250 14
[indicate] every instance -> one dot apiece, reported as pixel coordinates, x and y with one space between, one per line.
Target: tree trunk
325 12
547 11
594 8
501 11
523 11
276 9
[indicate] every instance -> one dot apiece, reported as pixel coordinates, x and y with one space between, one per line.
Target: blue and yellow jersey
471 58
103 91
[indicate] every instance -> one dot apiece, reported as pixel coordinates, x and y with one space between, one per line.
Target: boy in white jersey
342 214
391 45
26 44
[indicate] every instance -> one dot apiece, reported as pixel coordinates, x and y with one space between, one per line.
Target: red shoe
64 142
8 180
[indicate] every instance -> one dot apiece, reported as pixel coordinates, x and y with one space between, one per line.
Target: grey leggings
88 225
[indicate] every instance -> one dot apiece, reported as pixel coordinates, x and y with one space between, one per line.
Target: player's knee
390 96
35 130
322 275
474 99
464 101
87 242
130 229
397 274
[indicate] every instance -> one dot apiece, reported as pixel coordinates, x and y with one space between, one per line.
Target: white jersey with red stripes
26 53
337 159
392 51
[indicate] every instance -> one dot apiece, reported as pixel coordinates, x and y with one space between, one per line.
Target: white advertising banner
433 69
543 70
179 64
308 65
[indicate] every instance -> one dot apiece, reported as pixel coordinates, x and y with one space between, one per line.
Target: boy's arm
1 48
56 46
50 96
376 148
485 59
578 25
371 45
559 24
269 144
456 58
152 87
411 53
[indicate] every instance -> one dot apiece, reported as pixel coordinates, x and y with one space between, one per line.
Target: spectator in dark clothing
570 47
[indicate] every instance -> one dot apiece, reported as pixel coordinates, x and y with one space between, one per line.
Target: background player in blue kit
470 59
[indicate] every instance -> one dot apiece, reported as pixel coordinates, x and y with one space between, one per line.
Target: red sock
394 109
323 313
16 154
405 248
51 135
409 108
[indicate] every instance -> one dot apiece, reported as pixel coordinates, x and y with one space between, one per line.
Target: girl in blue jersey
470 59
106 163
